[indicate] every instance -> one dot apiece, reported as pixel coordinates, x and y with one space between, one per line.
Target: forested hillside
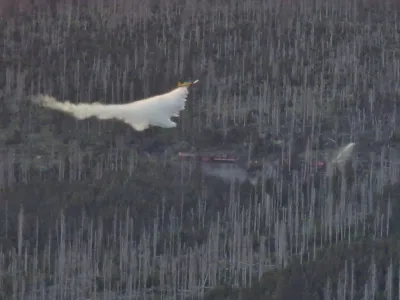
92 209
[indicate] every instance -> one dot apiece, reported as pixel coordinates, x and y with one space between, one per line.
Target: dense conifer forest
94 210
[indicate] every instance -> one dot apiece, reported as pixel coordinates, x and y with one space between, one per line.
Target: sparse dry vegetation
94 210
